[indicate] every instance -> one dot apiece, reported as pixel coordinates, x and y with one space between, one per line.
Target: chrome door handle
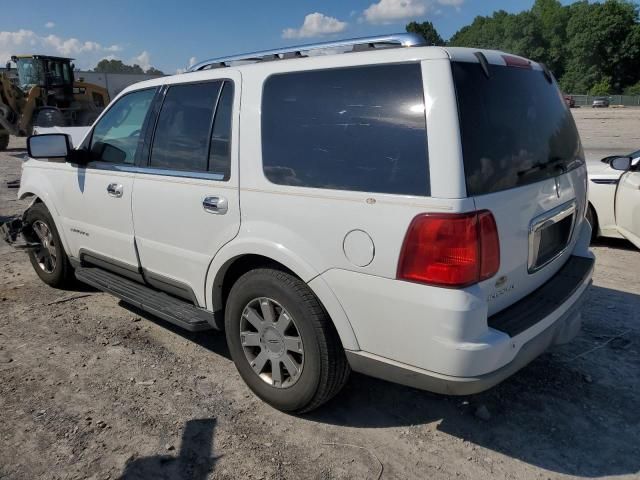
217 205
115 190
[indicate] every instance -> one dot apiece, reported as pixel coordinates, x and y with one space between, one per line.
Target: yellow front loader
44 93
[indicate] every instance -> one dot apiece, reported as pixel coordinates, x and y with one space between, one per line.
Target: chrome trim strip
543 221
155 171
398 40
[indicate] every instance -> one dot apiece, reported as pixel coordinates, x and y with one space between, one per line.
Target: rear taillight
450 250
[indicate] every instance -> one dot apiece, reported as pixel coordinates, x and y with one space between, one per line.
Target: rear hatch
523 162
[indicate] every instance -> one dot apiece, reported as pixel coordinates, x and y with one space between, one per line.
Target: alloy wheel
45 253
271 342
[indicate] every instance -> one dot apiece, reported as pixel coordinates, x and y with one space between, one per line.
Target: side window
115 136
356 128
181 139
220 152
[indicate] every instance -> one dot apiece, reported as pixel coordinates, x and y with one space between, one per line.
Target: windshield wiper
553 161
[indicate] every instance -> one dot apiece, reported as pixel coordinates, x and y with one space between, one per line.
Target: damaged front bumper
17 233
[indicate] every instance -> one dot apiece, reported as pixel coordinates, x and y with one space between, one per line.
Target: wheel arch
39 197
231 263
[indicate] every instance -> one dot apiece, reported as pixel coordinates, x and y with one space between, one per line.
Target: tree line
591 48
117 66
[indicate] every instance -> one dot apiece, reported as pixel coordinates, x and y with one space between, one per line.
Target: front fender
36 184
281 254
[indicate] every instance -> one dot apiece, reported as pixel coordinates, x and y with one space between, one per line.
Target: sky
172 35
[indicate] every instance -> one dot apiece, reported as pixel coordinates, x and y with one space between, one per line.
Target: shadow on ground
614 243
193 461
561 413
568 412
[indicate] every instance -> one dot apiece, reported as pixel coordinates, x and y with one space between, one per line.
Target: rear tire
49 260
256 305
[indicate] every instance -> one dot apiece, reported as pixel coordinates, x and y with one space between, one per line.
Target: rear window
516 128
357 128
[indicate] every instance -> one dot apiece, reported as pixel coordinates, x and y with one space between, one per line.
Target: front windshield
29 72
32 71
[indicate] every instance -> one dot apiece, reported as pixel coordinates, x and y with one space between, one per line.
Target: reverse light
450 250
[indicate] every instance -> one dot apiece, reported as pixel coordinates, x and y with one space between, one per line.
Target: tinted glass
116 135
220 153
181 139
515 125
360 128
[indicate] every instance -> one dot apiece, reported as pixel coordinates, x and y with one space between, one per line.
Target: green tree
116 66
633 89
428 31
154 71
551 19
584 44
602 88
602 43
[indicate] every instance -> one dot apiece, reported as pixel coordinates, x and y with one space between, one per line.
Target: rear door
523 162
186 200
628 205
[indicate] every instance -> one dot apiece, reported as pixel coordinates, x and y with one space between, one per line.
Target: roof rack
356 45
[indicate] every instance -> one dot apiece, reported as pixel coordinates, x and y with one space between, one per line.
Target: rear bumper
533 324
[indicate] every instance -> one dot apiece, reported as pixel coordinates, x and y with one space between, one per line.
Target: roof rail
356 45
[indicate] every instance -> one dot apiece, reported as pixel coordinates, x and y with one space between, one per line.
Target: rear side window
181 139
516 128
357 128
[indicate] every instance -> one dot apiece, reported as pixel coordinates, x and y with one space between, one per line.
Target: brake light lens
450 250
518 62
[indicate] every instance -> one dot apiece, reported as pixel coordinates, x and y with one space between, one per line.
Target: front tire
593 221
282 341
49 259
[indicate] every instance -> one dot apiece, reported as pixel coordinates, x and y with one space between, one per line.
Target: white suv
413 213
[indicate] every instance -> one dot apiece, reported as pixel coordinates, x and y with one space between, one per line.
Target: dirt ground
90 388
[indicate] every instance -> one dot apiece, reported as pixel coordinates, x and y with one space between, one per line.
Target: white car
614 197
413 213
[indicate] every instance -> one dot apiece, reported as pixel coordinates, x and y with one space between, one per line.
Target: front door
186 203
97 198
628 205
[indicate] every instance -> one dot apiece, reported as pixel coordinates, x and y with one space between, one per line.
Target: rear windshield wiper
553 161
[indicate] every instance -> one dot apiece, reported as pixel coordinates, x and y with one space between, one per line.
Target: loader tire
49 117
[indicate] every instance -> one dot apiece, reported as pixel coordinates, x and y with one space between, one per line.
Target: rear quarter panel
313 222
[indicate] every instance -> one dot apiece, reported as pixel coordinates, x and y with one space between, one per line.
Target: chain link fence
626 100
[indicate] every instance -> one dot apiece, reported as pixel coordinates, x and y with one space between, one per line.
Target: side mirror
49 145
621 163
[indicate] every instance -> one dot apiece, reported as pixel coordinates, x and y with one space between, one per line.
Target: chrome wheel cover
271 342
45 253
